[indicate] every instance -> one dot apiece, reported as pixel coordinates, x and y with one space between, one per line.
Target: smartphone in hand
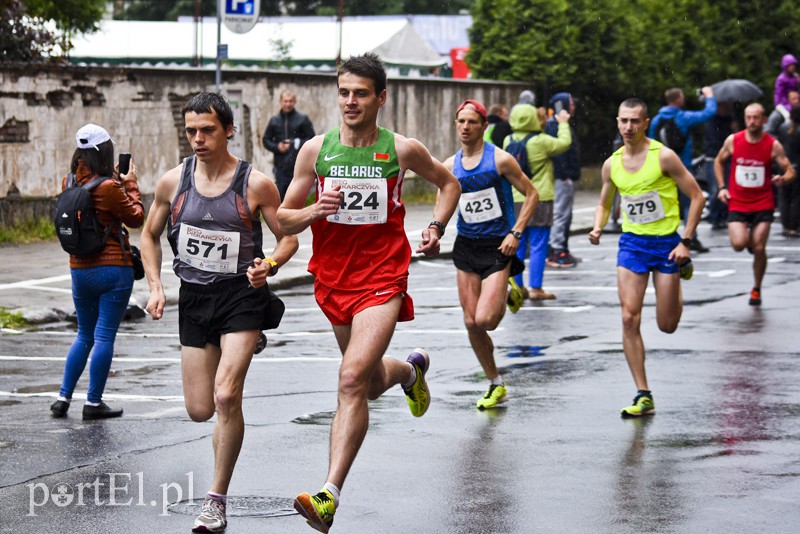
558 106
124 163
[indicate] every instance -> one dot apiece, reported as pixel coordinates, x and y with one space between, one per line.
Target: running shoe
562 259
642 405
515 297
755 297
212 517
497 394
687 270
261 343
417 395
317 509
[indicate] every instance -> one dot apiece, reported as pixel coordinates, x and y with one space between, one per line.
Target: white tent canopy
314 41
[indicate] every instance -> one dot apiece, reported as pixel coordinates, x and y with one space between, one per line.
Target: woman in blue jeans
101 283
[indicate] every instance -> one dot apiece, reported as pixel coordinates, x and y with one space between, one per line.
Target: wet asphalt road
721 455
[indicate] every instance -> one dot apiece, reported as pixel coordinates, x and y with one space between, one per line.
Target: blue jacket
566 165
685 121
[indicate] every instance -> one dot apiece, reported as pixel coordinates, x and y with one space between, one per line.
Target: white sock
412 377
497 381
334 491
64 399
92 403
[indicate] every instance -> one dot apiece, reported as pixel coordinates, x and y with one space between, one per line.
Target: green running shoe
515 297
642 405
317 509
418 395
687 270
496 395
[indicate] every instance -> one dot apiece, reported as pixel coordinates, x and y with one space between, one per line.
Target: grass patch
11 319
28 231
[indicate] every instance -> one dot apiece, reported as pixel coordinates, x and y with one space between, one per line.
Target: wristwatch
686 242
516 234
273 269
439 225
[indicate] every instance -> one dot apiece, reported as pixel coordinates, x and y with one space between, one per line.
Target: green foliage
12 320
28 231
25 27
604 51
162 10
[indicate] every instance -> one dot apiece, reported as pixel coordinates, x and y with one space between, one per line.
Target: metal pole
340 16
219 40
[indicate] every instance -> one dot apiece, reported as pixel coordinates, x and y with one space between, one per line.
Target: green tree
25 33
604 51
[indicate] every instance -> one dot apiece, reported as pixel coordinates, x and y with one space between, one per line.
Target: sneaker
697 246
642 405
417 395
102 411
755 297
515 297
261 344
317 509
496 395
562 259
59 408
212 518
687 270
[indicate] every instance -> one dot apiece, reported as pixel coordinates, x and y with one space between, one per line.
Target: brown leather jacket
116 202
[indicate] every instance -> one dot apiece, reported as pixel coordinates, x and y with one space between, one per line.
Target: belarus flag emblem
378 156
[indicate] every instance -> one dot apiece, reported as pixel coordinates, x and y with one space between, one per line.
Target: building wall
42 106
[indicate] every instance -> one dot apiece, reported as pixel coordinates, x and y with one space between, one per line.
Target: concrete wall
41 108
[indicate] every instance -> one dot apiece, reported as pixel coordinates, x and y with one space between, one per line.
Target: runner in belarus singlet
364 245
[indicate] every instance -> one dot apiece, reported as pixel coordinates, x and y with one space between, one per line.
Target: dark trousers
282 179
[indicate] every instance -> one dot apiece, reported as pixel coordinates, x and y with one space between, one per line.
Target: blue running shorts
644 253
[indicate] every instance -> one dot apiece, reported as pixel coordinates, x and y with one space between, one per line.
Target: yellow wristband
273 266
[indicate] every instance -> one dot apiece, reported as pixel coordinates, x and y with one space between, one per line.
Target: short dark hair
672 95
100 160
634 102
368 65
206 103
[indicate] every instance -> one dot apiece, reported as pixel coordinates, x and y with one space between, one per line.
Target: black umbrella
736 91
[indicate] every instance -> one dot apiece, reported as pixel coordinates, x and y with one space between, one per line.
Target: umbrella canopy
736 91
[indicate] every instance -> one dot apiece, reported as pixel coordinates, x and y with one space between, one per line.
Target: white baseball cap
91 135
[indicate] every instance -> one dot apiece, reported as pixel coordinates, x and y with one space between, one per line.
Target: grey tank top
215 238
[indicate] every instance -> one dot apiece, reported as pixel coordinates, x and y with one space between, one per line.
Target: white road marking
168 359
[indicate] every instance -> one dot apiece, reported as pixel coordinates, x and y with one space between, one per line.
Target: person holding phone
285 134
101 283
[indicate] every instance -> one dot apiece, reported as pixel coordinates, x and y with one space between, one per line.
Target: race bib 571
208 250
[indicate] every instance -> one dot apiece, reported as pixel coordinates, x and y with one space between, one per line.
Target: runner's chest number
749 176
208 250
364 201
480 206
644 208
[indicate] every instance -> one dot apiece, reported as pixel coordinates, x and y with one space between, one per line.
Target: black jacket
294 126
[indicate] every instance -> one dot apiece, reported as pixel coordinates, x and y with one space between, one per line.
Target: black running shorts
752 218
208 311
482 256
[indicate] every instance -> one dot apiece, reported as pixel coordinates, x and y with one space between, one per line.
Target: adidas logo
208 217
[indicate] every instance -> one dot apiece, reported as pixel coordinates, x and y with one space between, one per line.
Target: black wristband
686 242
439 225
721 188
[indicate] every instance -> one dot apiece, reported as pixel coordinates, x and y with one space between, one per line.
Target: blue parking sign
239 7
